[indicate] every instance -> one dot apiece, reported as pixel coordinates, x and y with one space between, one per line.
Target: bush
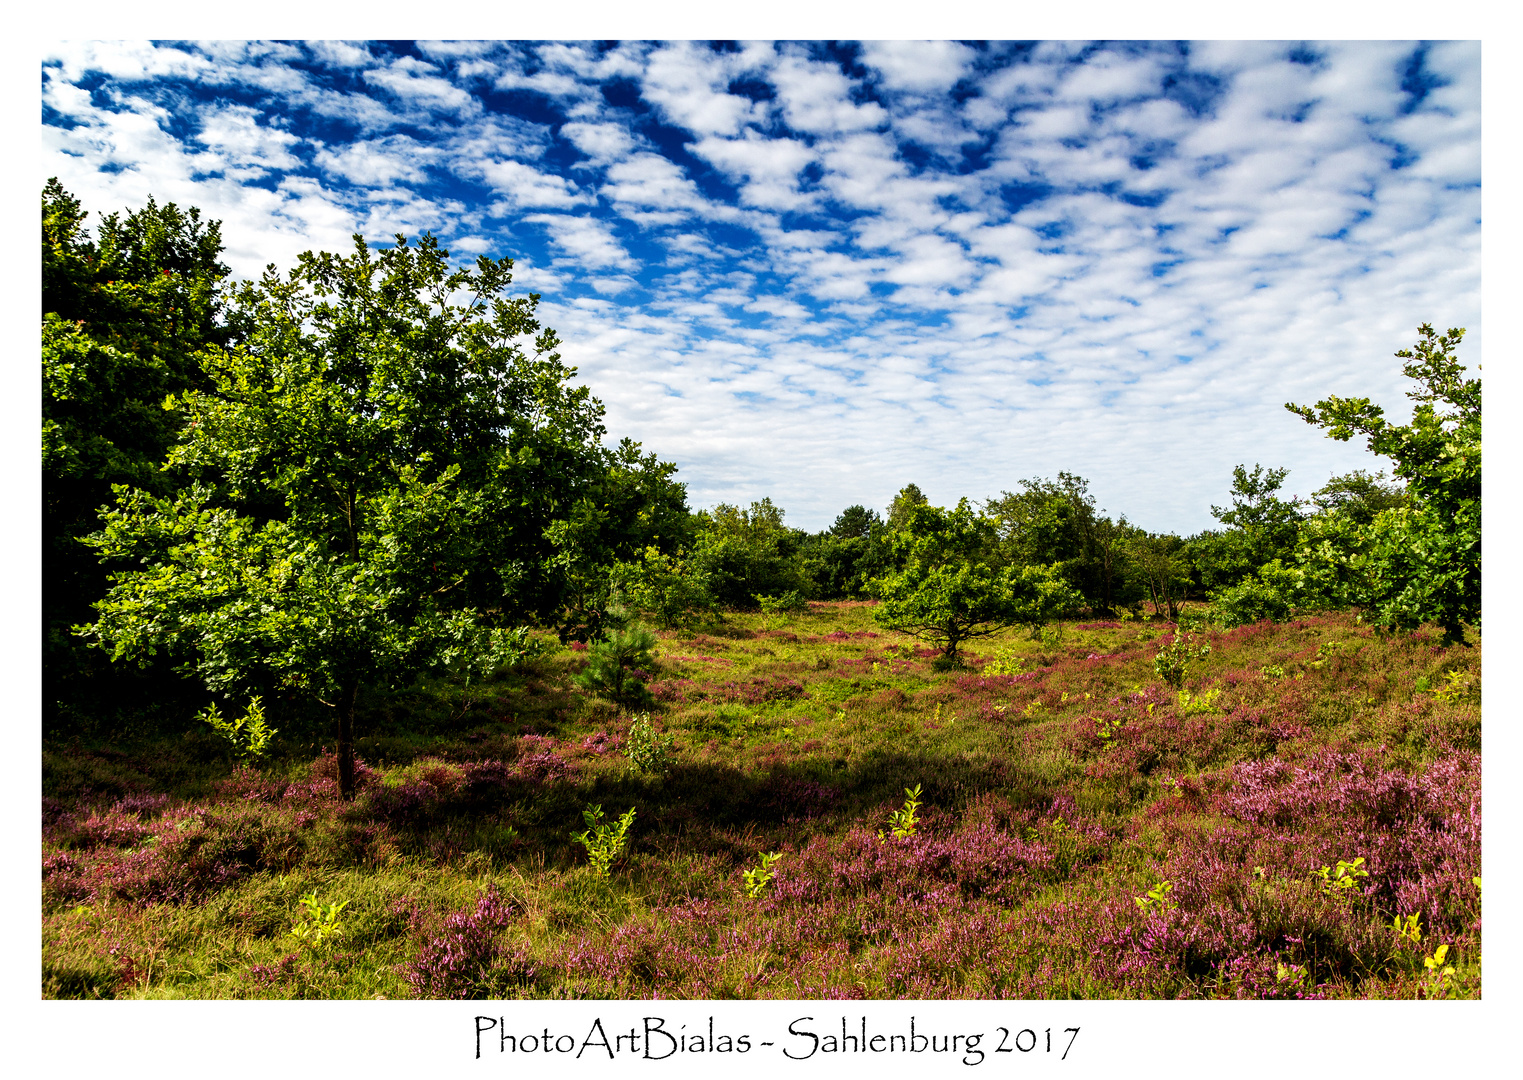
647 750
1270 595
619 661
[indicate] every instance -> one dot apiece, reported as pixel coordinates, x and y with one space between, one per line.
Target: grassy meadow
1301 821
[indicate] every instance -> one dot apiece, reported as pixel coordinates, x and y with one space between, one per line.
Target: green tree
1267 524
626 512
746 553
1359 496
619 661
666 586
951 586
370 479
1159 559
903 505
856 522
1419 562
123 314
1055 523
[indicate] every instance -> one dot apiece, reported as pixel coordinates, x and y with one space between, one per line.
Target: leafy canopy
949 589
370 475
1420 560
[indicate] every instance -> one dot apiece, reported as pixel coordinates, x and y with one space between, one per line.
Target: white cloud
920 67
866 309
589 242
422 86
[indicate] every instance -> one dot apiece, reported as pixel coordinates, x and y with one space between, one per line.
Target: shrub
648 750
458 963
249 736
604 841
617 661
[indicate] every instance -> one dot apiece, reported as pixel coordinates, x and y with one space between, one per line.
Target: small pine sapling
618 661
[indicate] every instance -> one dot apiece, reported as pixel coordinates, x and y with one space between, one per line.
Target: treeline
748 557
343 476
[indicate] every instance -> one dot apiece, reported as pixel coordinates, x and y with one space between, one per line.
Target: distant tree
369 478
1161 561
1419 562
855 522
903 505
746 553
668 587
1268 523
1056 523
1359 496
951 587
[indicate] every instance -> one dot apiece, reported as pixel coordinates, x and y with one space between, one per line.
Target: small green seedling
1440 972
902 822
604 841
1199 704
248 735
1158 898
321 925
1338 881
1408 927
1172 663
759 877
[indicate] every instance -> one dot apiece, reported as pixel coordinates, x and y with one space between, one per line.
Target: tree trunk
346 740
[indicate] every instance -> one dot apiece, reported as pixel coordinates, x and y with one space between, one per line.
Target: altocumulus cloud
821 272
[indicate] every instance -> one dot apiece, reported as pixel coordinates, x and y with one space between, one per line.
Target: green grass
196 896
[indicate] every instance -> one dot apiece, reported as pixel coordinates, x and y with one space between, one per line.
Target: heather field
1082 830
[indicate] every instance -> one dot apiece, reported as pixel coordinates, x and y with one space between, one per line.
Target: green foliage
1201 704
1272 593
903 507
788 601
1160 562
949 591
1055 523
1172 662
1268 521
320 926
1341 879
619 661
856 522
249 735
669 587
372 474
1421 561
123 315
604 840
1359 497
648 750
743 554
1158 898
759 877
622 539
903 821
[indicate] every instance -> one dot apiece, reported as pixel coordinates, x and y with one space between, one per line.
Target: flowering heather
466 959
1083 829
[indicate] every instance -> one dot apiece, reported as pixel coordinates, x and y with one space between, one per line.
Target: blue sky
817 272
